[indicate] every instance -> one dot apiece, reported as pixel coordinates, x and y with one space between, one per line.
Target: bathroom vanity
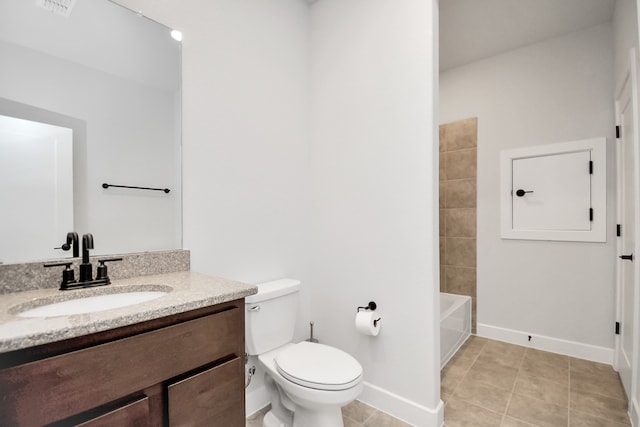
176 360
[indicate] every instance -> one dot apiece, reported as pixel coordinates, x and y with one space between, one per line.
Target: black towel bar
105 185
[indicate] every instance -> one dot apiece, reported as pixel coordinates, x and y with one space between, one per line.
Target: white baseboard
256 400
382 400
555 345
402 408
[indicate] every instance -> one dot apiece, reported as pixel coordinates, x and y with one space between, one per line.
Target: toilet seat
318 366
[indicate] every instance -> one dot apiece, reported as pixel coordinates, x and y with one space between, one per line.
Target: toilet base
305 418
270 420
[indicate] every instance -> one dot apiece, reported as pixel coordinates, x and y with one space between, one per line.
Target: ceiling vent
59 7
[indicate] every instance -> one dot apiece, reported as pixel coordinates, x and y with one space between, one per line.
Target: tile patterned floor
490 383
356 414
494 384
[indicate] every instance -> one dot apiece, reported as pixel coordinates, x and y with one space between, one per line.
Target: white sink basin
92 304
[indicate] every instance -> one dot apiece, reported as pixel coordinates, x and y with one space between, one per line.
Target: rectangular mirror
112 78
35 159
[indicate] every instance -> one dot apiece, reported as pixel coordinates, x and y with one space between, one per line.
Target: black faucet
86 273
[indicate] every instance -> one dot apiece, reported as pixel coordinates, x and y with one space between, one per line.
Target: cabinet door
214 397
82 380
135 414
560 197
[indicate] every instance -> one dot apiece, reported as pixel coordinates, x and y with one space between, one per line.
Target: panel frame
598 232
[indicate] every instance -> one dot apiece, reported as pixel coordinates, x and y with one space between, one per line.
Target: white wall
245 133
245 140
374 205
625 35
245 129
249 210
555 91
128 139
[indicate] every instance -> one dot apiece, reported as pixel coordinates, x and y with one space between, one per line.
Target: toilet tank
270 315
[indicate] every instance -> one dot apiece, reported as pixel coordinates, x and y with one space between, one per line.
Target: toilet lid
318 366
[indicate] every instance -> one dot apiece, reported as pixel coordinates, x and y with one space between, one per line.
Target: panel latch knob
522 192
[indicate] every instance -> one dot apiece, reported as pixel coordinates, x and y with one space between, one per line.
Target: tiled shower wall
458 172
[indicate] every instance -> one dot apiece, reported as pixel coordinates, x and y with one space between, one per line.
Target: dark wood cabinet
181 370
132 414
195 401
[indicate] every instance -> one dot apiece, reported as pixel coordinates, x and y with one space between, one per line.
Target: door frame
630 74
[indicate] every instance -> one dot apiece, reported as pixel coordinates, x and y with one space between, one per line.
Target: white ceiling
469 30
474 29
98 34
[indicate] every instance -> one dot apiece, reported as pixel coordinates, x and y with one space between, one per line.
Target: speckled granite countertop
186 291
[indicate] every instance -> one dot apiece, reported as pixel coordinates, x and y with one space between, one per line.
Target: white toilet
308 382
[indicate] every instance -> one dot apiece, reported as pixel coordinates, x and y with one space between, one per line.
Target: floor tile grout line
513 388
520 421
604 419
475 358
459 149
479 406
370 415
453 390
374 410
593 393
602 394
356 422
521 373
568 380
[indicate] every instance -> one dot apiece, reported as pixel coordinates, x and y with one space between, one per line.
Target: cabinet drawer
74 382
211 398
135 414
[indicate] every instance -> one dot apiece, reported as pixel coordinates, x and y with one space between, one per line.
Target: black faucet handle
59 264
101 271
72 241
68 276
109 260
64 247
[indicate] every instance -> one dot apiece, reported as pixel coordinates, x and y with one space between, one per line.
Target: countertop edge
190 291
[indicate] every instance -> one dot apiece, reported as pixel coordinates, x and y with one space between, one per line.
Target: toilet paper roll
368 323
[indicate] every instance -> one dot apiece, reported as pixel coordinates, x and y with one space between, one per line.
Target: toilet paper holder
371 306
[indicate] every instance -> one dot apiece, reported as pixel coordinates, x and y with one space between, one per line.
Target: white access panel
555 192
560 197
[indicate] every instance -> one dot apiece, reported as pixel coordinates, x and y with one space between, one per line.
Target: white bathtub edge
455 304
463 340
541 342
459 300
